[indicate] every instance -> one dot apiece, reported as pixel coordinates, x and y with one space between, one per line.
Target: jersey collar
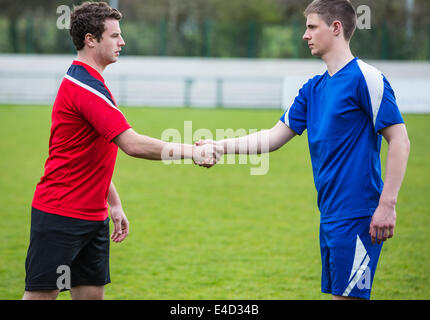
90 69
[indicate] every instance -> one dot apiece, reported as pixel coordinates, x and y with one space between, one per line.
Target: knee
40 295
87 293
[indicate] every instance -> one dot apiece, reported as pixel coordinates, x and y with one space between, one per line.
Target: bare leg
41 295
87 292
345 298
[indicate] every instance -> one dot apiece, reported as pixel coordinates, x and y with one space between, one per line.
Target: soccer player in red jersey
69 238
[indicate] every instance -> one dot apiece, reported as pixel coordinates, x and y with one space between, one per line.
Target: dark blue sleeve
295 116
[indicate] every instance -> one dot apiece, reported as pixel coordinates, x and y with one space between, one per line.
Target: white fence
177 82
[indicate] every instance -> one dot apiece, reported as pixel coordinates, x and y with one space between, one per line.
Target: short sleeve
102 114
389 113
377 99
295 116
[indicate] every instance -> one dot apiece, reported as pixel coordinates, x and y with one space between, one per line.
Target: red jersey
78 171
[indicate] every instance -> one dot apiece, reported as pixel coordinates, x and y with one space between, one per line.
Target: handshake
206 153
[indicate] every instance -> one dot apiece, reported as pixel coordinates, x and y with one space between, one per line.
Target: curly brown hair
90 17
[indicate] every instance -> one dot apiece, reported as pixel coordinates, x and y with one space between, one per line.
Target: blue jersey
343 115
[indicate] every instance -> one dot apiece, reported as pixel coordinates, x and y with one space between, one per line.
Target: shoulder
82 78
316 79
371 82
367 68
313 82
369 75
88 86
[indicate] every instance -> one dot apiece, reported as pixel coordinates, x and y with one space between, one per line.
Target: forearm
140 146
154 149
260 142
396 163
255 143
113 198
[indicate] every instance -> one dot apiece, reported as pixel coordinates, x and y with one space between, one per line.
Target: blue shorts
348 257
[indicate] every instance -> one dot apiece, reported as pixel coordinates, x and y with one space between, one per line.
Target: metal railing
160 91
131 90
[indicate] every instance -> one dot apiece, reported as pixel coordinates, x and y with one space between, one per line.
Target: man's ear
337 28
90 40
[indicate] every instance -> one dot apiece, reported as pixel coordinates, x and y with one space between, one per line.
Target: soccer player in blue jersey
346 112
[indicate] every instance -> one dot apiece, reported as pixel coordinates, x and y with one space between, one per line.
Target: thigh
55 242
325 262
353 257
91 265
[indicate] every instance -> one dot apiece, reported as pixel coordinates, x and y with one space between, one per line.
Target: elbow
128 142
403 145
130 149
408 145
275 147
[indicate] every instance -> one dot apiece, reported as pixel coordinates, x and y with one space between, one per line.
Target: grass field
219 233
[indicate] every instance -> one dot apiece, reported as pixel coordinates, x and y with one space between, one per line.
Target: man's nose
121 42
306 36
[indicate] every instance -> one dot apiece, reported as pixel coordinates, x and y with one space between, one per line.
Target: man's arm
384 218
121 225
140 146
257 143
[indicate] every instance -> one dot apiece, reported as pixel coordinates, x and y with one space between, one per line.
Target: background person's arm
384 218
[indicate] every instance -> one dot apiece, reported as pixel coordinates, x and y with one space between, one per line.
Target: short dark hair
90 17
331 10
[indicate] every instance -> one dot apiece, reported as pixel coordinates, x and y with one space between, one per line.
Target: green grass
213 234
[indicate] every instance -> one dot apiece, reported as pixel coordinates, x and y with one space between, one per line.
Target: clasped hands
206 153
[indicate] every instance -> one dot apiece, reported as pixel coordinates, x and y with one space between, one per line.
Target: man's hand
384 218
383 223
120 222
207 153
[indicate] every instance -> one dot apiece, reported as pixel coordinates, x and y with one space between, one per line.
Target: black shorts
66 252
